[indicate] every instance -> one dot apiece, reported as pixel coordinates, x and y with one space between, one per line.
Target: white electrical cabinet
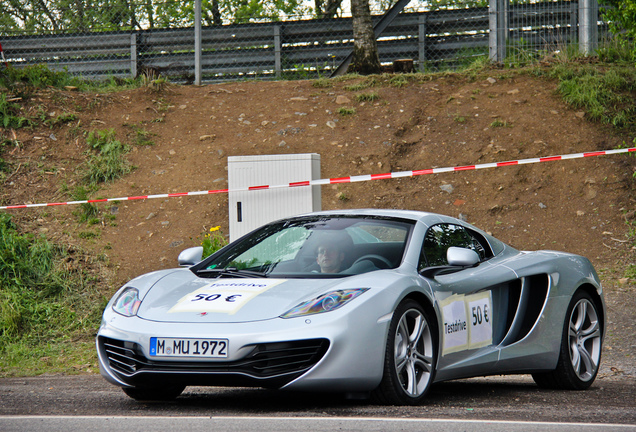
250 209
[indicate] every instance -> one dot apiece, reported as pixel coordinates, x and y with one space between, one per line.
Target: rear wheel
410 357
166 393
580 353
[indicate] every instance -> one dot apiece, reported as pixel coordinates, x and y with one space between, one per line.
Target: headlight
325 303
127 303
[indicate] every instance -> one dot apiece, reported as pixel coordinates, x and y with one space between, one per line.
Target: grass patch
398 81
357 86
500 123
345 111
140 136
109 162
48 303
10 114
607 96
24 81
367 97
60 120
322 83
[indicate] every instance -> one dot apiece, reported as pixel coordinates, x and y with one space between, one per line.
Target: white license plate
183 347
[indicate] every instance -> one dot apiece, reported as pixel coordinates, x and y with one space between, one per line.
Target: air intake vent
264 361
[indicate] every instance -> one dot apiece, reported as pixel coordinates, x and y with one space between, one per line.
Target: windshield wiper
232 272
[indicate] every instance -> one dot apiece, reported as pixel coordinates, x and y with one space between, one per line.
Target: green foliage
60 120
367 97
212 241
357 86
607 95
45 300
398 81
86 211
346 111
141 136
123 15
109 163
621 18
9 114
322 83
24 80
499 123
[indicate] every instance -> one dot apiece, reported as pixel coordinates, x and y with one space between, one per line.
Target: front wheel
580 353
410 357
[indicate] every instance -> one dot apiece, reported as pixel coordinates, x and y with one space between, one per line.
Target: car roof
426 218
414 215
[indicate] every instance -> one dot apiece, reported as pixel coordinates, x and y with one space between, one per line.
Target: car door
471 302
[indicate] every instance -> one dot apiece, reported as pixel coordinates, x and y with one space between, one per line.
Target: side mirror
190 256
458 259
457 256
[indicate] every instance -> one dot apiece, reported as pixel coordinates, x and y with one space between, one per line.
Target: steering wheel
376 259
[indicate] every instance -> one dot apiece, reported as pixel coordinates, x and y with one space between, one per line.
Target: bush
49 306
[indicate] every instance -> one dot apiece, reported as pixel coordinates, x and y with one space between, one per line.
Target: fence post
421 42
134 52
497 30
197 42
277 51
588 26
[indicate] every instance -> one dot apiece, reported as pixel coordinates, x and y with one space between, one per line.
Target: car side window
440 237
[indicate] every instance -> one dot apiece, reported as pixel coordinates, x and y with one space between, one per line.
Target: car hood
178 297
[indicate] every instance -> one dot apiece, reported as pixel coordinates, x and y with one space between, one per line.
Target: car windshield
318 246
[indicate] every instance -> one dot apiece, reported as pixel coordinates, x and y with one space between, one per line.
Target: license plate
181 347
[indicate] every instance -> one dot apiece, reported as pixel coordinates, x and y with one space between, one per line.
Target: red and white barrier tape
350 179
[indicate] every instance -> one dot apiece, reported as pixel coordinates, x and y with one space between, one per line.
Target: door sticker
480 319
466 321
455 330
226 296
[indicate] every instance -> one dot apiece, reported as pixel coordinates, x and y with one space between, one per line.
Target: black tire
149 394
410 356
580 353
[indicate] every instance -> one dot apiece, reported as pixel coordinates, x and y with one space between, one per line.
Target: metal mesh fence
115 38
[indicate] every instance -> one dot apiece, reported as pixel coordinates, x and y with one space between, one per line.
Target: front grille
265 361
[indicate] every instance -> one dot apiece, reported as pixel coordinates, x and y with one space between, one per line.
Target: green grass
367 97
499 123
357 86
142 137
606 95
109 161
47 305
10 114
322 83
346 111
24 81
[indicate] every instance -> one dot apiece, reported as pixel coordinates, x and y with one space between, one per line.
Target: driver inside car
330 257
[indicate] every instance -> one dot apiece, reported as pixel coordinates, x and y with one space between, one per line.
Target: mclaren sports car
378 303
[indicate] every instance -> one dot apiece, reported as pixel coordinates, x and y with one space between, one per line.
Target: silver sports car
364 302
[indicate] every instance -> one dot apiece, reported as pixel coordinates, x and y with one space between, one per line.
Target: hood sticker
225 296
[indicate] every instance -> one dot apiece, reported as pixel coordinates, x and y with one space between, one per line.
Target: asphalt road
610 401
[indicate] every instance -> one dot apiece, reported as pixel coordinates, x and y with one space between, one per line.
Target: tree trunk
365 48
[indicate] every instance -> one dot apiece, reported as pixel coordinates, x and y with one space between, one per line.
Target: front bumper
269 365
331 352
